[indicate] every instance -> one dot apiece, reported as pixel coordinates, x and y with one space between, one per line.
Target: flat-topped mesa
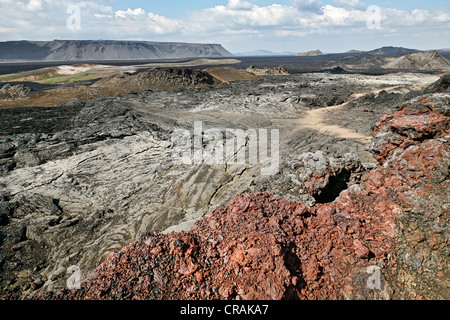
71 50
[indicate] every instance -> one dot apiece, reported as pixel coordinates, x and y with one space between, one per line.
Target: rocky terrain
267 71
69 50
430 60
112 84
362 182
366 60
14 91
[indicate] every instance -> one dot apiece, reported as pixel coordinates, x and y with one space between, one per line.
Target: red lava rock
410 123
263 247
360 249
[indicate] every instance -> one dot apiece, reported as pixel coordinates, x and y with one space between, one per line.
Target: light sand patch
77 68
226 74
315 120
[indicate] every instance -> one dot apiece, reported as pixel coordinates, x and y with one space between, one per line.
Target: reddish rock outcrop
363 245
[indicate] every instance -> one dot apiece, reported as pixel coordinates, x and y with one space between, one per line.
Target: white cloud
441 17
130 13
420 16
163 25
395 17
256 16
34 5
335 16
138 21
239 5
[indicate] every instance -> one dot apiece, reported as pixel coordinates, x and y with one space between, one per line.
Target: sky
239 25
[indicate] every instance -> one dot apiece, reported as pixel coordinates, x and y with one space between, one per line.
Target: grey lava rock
83 179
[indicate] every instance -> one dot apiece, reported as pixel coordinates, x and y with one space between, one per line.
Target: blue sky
239 25
175 7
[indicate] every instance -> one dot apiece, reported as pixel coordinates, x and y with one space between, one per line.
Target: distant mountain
310 53
445 53
394 52
390 52
264 53
69 50
430 60
363 61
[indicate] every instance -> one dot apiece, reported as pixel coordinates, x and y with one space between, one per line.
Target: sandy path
315 120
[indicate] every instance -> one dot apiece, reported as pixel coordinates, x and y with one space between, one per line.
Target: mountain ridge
389 51
421 61
72 50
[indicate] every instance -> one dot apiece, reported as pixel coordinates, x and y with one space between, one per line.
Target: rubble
14 91
267 71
